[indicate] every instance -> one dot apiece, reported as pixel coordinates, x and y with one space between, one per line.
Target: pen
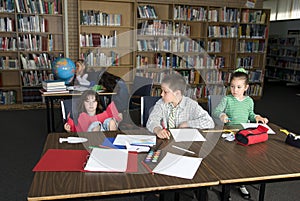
182 149
147 167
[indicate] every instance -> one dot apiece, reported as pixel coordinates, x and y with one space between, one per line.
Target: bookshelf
283 58
106 35
31 37
203 43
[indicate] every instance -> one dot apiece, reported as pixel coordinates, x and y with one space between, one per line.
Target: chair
213 102
67 108
142 86
147 103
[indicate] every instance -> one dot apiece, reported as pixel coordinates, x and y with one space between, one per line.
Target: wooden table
49 99
61 185
272 160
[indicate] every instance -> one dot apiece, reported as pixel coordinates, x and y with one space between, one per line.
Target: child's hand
163 133
224 118
261 119
120 117
67 127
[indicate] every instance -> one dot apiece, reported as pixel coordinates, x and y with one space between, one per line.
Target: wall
73 18
282 27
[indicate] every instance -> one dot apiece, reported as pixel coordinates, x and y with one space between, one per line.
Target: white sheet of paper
187 134
107 160
178 166
254 125
146 140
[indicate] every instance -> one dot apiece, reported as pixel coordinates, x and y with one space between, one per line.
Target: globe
64 69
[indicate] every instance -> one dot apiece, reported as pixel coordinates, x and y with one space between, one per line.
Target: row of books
146 11
98 40
285 75
37 61
7 6
27 42
158 27
7 62
34 78
223 31
255 46
101 59
253 16
245 62
224 15
189 13
187 61
253 31
8 97
6 24
32 24
38 6
31 94
99 18
177 44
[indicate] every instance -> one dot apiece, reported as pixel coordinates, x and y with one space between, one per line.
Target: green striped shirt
237 111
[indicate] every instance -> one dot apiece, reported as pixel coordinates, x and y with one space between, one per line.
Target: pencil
147 167
222 130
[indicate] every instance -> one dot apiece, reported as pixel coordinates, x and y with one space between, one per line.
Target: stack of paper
107 160
187 134
144 140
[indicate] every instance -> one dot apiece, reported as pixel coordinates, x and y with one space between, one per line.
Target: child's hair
175 82
80 106
108 80
240 73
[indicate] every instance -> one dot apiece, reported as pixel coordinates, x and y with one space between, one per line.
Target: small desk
49 98
60 185
259 163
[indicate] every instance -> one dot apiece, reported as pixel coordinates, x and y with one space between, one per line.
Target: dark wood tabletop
273 159
60 185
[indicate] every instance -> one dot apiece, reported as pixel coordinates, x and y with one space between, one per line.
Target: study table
273 160
62 185
49 100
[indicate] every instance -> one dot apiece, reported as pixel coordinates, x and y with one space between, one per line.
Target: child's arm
69 125
261 119
110 112
219 111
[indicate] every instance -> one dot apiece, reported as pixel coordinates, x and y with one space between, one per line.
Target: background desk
60 185
262 162
49 99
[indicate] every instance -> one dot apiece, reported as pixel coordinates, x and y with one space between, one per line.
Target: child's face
238 87
90 105
167 94
79 68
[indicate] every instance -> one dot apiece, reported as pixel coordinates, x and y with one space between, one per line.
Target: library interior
52 51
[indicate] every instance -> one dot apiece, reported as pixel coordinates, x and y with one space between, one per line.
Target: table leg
225 192
201 194
262 190
52 116
48 114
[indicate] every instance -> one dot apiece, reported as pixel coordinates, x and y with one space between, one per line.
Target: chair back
213 102
142 86
67 107
147 104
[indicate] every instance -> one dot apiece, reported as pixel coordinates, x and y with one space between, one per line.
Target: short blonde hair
175 82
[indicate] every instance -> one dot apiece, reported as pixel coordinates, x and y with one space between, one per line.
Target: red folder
65 160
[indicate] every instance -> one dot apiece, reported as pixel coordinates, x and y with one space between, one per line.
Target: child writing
237 108
88 118
175 110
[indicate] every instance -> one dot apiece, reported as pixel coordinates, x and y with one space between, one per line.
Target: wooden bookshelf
106 35
31 37
203 43
283 58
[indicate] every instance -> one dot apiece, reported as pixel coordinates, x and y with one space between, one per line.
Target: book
45 92
65 160
53 83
